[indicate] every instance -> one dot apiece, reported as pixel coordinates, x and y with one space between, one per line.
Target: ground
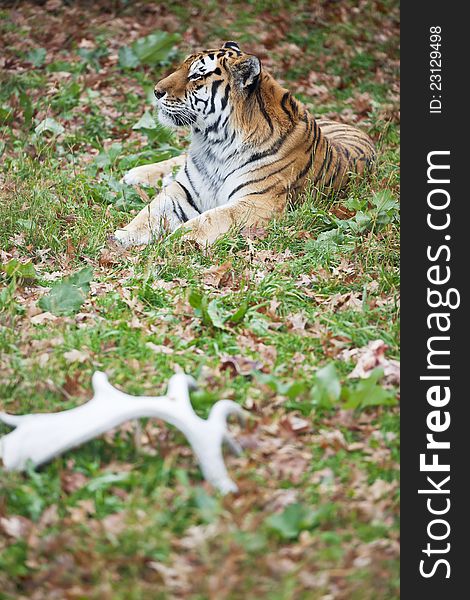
297 322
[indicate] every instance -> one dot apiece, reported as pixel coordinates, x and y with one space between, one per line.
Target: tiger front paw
137 176
126 239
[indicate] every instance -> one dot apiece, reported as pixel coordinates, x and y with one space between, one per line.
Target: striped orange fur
253 147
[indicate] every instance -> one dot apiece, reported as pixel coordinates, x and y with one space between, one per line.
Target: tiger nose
159 93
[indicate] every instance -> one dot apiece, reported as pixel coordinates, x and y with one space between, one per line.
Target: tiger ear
232 46
246 70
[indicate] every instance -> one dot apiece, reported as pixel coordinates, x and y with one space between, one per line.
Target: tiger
253 147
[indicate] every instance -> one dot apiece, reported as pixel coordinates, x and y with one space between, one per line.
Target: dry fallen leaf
42 359
217 274
76 356
347 301
17 526
331 439
71 481
52 276
370 357
296 424
42 318
240 365
82 510
159 348
297 322
114 523
253 233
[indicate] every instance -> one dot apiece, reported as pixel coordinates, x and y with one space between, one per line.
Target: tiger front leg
168 210
245 212
152 174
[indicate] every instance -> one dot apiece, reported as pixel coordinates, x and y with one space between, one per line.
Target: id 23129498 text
435 70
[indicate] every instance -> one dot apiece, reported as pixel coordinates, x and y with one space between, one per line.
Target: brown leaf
108 258
17 526
42 318
363 103
217 275
296 424
70 251
279 499
71 481
72 384
340 211
240 365
331 439
115 523
159 348
347 301
253 233
290 463
53 5
49 516
76 356
297 322
82 510
370 357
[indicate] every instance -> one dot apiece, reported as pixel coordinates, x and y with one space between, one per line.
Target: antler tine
100 382
12 420
179 386
223 409
41 437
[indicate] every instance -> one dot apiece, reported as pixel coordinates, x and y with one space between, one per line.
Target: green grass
318 508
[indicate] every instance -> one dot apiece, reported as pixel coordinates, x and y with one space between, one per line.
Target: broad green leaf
360 222
251 541
211 312
62 65
146 121
25 224
215 315
82 279
64 298
384 201
386 207
270 380
37 57
107 157
156 47
327 387
240 313
208 506
27 106
51 125
368 392
291 390
154 130
355 203
67 295
127 58
14 268
295 389
199 302
292 521
327 242
93 56
195 299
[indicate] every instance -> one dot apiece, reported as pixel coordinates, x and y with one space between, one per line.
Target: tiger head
202 89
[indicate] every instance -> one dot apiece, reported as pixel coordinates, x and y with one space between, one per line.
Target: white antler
40 437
